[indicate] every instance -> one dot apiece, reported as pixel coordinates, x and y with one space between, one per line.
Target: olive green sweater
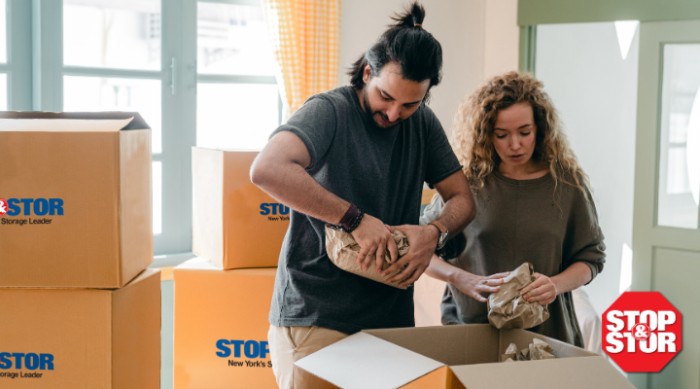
526 220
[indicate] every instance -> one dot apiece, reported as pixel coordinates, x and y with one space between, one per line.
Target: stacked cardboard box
223 296
79 307
220 325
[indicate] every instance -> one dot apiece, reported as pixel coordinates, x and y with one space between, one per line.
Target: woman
533 204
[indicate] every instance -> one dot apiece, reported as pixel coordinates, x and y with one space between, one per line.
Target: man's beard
371 113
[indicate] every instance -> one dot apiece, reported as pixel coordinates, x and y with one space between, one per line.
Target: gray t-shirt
380 170
526 220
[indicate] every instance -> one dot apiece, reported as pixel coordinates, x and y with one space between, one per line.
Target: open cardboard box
458 356
75 199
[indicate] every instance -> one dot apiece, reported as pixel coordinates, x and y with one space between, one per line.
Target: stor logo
31 206
28 361
238 348
273 209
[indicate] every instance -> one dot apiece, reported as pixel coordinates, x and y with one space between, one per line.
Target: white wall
457 24
595 91
501 37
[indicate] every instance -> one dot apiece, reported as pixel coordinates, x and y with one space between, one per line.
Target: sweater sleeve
585 240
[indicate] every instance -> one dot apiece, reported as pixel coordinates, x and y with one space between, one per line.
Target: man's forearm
457 213
291 185
459 209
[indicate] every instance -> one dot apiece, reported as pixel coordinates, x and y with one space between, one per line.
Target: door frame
532 13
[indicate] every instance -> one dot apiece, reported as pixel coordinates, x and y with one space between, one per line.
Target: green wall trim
528 43
532 12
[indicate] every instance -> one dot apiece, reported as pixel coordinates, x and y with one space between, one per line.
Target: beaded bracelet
352 218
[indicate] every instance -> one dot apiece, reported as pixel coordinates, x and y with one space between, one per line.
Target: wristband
352 218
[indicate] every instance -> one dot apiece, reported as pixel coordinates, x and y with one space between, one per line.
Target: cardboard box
235 224
75 194
220 327
81 338
459 356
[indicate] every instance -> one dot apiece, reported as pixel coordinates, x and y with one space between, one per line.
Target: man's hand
374 238
422 241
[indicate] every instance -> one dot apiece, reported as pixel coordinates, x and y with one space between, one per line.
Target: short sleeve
315 124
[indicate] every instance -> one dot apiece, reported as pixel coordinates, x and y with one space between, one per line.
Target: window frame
35 74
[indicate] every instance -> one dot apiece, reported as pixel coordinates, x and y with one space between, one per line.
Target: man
357 157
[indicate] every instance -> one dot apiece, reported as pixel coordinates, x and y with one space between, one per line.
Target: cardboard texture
75 199
220 327
81 338
459 356
234 224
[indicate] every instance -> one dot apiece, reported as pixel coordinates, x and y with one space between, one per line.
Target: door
666 228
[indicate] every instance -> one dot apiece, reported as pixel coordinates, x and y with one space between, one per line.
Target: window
199 72
237 97
679 176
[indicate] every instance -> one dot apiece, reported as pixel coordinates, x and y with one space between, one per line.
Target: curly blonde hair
476 117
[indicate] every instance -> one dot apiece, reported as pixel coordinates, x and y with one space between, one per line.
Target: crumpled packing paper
538 349
342 250
507 309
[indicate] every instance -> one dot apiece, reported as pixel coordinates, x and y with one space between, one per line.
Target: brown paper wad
342 250
507 309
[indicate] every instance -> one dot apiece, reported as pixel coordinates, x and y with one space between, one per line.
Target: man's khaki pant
289 344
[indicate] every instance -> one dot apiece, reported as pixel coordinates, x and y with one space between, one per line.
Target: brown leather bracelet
352 218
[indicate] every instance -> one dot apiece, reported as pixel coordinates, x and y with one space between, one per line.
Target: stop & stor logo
31 206
642 332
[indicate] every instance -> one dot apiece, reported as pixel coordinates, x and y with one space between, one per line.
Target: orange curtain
305 34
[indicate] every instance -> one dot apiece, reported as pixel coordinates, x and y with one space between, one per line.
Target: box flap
365 361
71 121
460 344
570 373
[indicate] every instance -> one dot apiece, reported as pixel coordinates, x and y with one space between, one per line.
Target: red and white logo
3 207
642 332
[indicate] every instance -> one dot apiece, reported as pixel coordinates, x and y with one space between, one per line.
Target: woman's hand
542 290
478 287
